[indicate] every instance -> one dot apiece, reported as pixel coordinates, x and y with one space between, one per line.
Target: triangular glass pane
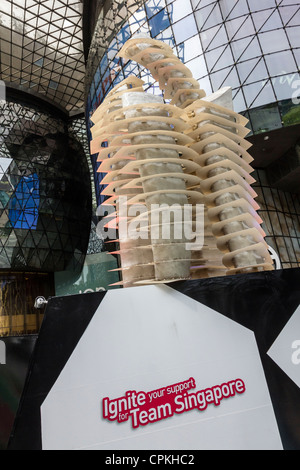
259 73
49 262
225 59
251 49
288 12
43 243
227 7
245 68
47 4
266 96
30 17
199 3
4 164
231 79
257 5
33 7
44 9
220 38
256 97
5 259
295 21
274 22
33 260
239 9
31 3
43 255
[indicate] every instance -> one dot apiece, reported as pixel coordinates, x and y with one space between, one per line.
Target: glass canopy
41 49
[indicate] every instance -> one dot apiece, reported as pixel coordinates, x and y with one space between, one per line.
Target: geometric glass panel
184 29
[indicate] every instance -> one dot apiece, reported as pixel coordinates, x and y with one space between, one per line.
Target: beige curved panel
174 78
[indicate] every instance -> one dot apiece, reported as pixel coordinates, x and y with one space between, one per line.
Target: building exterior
57 63
45 204
249 45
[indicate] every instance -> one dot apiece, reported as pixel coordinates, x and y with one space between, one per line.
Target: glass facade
18 292
249 45
45 206
280 212
45 174
41 49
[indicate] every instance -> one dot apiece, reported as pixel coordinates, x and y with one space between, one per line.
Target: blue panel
159 23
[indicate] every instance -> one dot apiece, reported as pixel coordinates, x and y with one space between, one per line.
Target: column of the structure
163 182
226 182
136 259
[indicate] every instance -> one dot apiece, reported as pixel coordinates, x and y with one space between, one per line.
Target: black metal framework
45 192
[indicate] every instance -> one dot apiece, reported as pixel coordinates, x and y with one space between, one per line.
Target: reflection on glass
245 49
258 94
265 119
257 5
234 9
42 197
179 9
252 71
136 20
273 41
18 292
48 35
167 37
154 6
290 113
224 43
24 205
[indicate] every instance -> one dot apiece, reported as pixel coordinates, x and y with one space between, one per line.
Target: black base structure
262 302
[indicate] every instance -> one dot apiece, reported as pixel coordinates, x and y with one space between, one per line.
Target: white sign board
157 370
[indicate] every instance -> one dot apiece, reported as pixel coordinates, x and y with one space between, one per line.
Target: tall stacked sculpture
188 152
